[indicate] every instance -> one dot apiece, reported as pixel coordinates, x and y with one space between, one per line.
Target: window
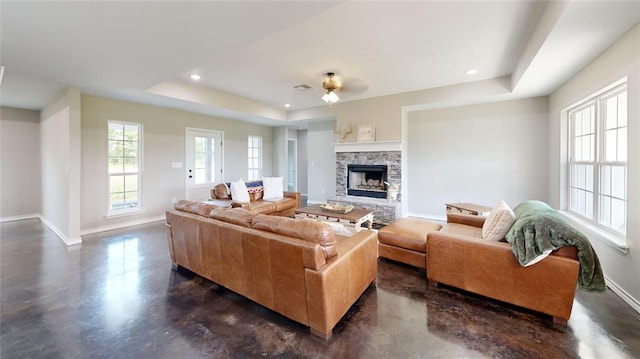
255 158
598 159
125 170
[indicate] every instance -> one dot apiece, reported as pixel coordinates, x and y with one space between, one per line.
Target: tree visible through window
124 166
255 158
598 159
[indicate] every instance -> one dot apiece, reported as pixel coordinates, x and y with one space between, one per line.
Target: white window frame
254 173
595 165
114 213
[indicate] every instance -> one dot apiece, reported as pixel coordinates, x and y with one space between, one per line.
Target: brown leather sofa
221 196
296 267
458 256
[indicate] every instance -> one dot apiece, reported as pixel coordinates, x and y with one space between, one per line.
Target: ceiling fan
331 84
334 84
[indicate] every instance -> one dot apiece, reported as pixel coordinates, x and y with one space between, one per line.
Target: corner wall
20 171
60 154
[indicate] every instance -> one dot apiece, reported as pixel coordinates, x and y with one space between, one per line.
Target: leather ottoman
405 240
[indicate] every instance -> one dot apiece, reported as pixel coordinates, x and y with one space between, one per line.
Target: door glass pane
204 153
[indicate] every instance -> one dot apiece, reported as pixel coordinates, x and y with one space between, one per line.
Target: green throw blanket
539 228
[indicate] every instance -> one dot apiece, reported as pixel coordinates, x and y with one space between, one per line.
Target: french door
203 162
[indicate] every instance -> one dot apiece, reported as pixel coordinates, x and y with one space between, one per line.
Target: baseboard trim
68 241
121 225
626 297
19 218
431 217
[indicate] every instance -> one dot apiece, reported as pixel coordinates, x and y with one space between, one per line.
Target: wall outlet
322 191
173 200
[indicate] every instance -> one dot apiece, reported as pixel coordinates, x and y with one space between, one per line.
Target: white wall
60 154
303 162
20 185
279 166
620 60
321 162
164 143
478 153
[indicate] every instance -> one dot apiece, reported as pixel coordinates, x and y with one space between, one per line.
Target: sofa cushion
194 207
221 191
261 206
463 229
497 224
239 216
272 187
282 204
306 229
239 191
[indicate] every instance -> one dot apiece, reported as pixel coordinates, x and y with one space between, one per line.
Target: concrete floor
116 296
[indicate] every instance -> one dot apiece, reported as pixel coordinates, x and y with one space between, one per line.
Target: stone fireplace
367 180
360 177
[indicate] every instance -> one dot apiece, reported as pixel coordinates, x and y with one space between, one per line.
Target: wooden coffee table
352 221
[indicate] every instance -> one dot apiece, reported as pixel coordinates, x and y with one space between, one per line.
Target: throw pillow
272 187
239 191
221 191
497 224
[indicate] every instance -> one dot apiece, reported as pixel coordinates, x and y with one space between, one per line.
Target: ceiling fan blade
353 87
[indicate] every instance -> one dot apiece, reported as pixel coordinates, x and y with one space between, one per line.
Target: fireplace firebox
367 180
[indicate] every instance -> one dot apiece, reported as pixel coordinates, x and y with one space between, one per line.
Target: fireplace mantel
368 146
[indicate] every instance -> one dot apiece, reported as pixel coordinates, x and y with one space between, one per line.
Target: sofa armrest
468 219
489 268
333 289
294 195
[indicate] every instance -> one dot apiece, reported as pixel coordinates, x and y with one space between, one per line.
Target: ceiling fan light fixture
330 97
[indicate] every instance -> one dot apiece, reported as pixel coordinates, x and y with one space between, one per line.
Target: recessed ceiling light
195 77
287 105
471 72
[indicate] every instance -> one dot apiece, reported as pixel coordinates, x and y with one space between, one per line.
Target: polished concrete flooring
116 296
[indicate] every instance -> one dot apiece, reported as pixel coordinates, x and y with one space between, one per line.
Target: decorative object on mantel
336 207
392 191
366 133
342 131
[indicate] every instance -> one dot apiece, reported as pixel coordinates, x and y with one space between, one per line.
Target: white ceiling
252 54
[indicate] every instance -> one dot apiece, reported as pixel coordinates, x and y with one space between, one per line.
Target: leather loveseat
458 256
296 267
285 206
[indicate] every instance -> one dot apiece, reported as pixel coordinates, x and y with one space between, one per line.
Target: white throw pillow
498 222
272 187
239 191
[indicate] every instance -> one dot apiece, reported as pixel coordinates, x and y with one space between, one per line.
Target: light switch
176 165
